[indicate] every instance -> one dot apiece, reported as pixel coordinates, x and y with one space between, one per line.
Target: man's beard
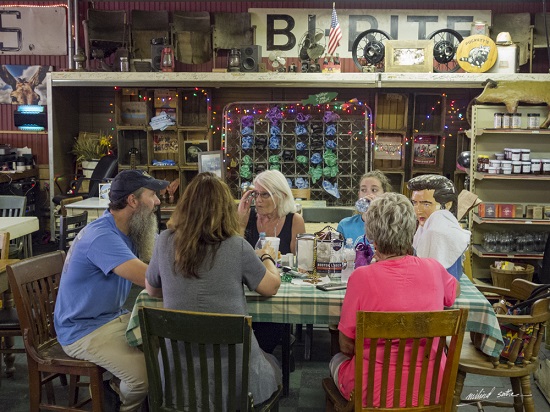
143 228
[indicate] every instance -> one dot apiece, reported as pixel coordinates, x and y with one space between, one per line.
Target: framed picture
425 150
211 162
192 148
104 189
409 56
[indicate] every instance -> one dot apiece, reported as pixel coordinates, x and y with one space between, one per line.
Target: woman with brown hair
201 263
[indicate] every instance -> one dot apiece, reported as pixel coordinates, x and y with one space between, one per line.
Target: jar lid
499 114
535 160
516 114
533 114
506 162
516 150
516 163
526 150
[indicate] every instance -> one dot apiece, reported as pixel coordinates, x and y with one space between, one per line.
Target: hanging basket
503 278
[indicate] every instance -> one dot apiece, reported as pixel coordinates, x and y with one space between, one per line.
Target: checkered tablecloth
481 317
306 304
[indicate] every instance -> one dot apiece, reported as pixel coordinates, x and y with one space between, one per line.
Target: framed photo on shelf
425 150
409 56
192 148
104 189
211 162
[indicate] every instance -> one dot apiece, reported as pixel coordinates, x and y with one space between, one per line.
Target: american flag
335 34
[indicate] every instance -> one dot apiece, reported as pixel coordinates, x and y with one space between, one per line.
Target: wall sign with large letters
281 29
33 31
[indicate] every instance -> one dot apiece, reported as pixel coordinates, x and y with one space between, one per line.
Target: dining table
301 302
23 227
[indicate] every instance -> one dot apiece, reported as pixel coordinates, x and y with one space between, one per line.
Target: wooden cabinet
169 150
390 135
507 189
428 138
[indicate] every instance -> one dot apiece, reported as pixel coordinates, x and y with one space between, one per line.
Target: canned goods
516 121
497 123
507 120
124 65
535 166
533 120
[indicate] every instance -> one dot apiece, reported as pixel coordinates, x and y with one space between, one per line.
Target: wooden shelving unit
526 189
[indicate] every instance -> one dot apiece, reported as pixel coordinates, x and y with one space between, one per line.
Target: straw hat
504 39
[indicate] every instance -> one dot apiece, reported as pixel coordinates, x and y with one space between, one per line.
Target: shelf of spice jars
478 250
502 221
518 176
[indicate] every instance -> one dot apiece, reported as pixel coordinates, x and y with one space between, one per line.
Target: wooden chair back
69 227
417 333
35 284
68 201
533 322
519 358
186 340
12 206
304 194
4 245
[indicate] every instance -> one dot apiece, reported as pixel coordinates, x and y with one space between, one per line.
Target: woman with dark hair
439 235
201 263
392 284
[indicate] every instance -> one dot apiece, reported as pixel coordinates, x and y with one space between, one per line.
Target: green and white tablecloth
306 304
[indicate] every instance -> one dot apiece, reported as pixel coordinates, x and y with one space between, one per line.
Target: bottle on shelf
349 257
260 241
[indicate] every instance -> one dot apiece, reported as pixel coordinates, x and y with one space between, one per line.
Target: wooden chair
14 206
304 194
69 227
180 334
35 283
410 329
9 322
516 367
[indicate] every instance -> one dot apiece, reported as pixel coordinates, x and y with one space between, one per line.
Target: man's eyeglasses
263 195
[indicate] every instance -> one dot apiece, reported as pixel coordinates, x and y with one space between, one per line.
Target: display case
504 227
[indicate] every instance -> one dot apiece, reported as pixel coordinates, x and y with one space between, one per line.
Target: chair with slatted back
405 334
14 206
69 227
524 334
9 322
185 340
35 283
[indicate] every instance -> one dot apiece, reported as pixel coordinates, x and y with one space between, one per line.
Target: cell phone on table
327 287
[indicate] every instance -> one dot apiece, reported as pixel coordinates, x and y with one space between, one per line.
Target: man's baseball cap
128 181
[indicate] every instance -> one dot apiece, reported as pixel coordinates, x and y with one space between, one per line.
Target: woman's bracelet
267 256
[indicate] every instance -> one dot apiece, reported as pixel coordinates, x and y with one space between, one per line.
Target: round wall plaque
476 54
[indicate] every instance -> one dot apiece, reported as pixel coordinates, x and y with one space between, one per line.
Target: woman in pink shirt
397 282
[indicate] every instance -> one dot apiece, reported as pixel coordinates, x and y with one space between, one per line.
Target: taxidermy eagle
23 89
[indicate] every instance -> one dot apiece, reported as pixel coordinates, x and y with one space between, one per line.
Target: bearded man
104 260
